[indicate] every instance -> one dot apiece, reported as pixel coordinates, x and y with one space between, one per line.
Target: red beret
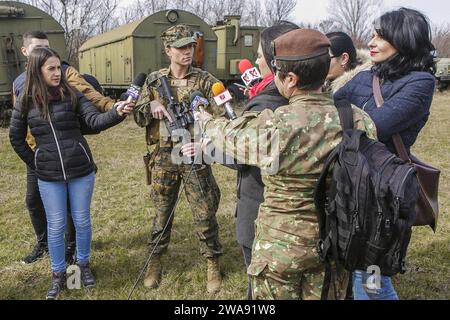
300 45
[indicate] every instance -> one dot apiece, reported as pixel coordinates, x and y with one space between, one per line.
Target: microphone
135 88
250 75
223 97
198 101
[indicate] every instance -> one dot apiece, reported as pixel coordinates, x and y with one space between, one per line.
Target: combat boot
153 275
214 276
58 284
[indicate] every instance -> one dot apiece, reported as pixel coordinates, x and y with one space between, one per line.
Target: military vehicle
443 73
234 43
116 57
16 18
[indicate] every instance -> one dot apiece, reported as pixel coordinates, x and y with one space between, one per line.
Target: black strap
320 196
326 281
345 110
396 138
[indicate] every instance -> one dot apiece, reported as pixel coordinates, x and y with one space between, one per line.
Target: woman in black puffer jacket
63 161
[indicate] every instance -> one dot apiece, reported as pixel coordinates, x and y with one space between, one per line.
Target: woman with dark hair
63 161
401 51
250 188
346 61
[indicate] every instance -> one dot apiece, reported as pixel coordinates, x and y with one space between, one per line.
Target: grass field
122 215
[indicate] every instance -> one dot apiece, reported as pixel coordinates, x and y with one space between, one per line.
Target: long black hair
409 32
270 34
342 43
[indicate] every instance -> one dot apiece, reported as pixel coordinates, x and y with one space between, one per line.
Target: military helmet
178 36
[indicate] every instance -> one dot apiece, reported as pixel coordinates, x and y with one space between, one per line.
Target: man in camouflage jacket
292 144
201 188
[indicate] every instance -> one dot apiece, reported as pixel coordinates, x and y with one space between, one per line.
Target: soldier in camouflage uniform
201 188
285 263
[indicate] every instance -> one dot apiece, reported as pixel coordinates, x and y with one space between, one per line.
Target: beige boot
214 276
153 275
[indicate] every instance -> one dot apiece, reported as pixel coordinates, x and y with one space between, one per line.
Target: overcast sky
315 10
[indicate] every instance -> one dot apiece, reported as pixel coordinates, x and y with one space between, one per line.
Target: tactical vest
156 131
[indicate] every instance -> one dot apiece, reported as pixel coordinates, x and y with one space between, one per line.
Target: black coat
250 187
62 153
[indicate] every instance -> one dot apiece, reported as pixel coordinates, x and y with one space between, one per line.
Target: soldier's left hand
191 149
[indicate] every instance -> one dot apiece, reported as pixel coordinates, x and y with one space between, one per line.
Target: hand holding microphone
126 107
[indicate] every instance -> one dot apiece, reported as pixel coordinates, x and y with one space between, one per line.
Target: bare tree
201 8
277 10
355 17
441 40
326 26
254 13
80 19
217 9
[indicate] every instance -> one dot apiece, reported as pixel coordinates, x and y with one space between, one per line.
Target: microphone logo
133 92
198 101
250 76
223 98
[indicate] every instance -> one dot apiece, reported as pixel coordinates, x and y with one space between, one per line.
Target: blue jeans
54 196
365 290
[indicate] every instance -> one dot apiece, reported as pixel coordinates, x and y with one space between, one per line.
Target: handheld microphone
135 88
223 97
250 75
198 101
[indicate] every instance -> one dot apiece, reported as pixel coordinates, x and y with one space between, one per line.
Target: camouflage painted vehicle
117 56
443 73
16 18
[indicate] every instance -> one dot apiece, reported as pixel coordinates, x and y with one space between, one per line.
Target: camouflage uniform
201 189
285 263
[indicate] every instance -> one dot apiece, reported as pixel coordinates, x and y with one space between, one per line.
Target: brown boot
214 276
153 275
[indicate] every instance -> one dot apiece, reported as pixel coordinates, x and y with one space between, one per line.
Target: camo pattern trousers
202 194
285 266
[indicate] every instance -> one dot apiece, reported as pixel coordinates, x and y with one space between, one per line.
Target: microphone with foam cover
250 75
244 65
198 101
223 97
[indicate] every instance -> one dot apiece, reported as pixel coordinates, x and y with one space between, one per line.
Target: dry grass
122 220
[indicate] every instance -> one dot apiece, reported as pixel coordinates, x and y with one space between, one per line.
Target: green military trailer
443 73
116 57
16 18
234 43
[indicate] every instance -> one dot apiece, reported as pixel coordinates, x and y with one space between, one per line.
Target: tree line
82 19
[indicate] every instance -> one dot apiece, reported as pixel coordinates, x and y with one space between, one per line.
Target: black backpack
365 200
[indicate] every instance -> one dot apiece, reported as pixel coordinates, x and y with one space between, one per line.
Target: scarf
257 88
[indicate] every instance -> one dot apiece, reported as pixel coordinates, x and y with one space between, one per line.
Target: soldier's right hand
159 111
